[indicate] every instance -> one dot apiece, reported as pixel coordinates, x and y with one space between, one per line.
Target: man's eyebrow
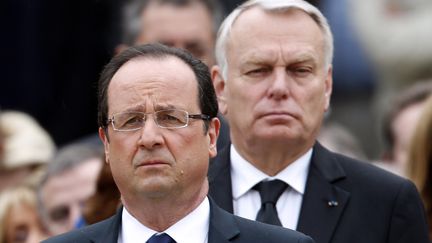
158 107
164 107
137 108
258 62
259 59
305 57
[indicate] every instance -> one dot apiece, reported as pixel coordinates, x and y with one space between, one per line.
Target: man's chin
277 134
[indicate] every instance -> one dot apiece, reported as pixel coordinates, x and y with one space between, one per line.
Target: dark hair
206 93
415 94
107 194
133 9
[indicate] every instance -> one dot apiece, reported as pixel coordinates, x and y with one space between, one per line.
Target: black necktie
161 238
270 192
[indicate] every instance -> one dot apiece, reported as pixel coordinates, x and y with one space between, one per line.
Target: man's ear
328 87
219 85
213 134
103 135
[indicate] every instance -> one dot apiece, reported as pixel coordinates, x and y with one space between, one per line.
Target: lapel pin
332 203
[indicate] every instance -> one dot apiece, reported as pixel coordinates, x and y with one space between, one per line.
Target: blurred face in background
63 195
23 225
188 27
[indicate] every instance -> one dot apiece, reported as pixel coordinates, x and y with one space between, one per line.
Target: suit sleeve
408 222
306 239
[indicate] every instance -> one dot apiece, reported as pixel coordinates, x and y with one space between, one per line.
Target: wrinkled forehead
290 29
149 82
258 16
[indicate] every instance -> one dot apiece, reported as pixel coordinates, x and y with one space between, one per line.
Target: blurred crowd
381 109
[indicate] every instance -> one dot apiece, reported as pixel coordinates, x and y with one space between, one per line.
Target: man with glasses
157 117
187 24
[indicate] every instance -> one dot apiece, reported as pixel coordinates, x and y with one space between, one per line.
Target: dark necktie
161 238
270 192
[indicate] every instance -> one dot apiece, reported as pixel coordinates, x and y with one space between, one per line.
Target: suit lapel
222 227
220 180
323 201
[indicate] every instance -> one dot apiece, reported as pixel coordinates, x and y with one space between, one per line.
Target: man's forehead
260 28
254 17
152 68
142 83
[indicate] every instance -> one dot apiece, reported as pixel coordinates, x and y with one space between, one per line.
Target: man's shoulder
363 179
356 171
386 202
260 232
69 237
83 235
367 172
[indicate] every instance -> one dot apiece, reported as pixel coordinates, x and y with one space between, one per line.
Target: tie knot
270 191
161 238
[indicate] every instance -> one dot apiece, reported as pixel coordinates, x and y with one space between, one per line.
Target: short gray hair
70 156
66 158
272 6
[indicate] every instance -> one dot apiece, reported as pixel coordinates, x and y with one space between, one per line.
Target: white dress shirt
191 229
247 201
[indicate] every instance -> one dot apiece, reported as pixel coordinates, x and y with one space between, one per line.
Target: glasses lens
128 121
171 118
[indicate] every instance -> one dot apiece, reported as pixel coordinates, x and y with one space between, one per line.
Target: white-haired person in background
274 83
25 148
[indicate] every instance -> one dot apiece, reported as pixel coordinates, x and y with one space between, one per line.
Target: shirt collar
244 175
192 228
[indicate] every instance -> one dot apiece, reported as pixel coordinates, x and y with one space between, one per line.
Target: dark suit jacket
224 228
224 133
345 201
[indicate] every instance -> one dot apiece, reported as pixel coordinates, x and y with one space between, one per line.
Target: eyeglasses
132 121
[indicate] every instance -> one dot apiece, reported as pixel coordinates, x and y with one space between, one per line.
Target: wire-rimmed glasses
170 118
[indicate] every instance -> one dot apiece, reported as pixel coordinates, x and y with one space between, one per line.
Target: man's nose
150 133
279 84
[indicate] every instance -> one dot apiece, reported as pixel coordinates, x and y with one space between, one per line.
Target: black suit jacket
224 228
345 201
